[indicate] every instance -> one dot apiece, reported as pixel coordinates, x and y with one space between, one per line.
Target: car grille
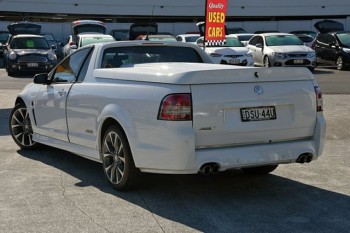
297 55
32 59
233 56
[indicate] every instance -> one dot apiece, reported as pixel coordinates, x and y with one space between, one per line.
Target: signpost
215 16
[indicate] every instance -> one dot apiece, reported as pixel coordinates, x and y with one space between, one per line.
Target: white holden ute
143 106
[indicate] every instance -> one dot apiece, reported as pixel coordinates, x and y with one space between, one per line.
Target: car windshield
231 42
128 56
94 40
282 40
29 43
344 38
191 38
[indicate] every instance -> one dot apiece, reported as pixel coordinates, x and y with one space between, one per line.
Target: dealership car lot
56 191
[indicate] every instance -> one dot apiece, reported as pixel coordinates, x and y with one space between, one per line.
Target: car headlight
279 55
215 55
311 55
12 56
51 56
346 50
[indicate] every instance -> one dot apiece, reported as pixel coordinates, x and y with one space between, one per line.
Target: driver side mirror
41 79
259 45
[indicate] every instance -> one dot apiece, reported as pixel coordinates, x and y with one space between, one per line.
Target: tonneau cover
201 73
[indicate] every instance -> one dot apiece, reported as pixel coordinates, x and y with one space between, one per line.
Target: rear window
128 56
94 40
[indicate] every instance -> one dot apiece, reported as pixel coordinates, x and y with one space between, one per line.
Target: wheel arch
114 115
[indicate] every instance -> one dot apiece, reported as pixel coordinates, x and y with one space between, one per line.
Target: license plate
298 61
234 61
263 113
32 64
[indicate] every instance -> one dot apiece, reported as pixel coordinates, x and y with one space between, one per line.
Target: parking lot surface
50 190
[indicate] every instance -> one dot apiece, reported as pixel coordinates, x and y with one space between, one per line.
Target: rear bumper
181 158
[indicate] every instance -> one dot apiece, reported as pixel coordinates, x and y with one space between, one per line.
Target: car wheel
9 71
267 62
260 170
339 63
21 127
117 161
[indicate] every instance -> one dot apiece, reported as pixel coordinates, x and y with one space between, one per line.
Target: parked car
120 34
281 49
53 42
244 37
181 117
156 37
306 39
231 52
4 36
189 38
304 32
137 29
27 52
84 39
83 26
332 44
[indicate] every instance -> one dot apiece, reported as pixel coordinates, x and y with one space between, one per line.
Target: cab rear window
128 56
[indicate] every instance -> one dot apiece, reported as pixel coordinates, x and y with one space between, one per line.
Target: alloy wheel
113 157
21 128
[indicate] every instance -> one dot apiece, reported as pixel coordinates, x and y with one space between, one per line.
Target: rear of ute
249 122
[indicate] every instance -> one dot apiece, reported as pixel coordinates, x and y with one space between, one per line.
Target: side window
254 41
68 70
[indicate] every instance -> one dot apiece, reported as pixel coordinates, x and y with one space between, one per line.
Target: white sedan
281 49
232 52
159 107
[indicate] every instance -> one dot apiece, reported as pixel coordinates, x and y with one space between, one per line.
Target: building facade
177 16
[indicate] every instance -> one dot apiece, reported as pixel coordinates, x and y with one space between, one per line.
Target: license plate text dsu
258 113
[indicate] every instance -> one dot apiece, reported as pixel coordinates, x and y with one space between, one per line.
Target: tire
21 127
9 71
260 170
340 63
267 62
118 164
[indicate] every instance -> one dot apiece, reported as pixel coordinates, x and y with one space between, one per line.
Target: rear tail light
176 107
319 99
71 43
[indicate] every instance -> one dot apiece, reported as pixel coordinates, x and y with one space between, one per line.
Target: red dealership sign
215 20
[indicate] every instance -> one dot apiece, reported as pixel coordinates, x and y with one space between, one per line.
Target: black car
332 44
27 51
4 36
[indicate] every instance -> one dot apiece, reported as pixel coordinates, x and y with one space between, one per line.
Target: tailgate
254 112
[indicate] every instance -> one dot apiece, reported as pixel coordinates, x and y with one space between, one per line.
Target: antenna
150 22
